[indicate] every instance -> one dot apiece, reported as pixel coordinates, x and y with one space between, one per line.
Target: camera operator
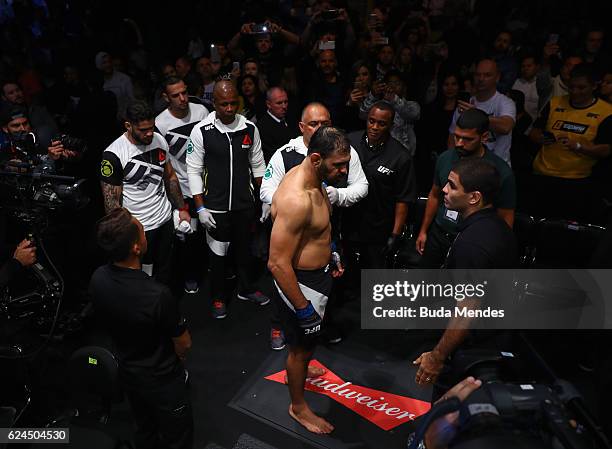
442 431
40 118
16 124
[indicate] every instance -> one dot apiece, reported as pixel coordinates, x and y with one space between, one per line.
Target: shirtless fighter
300 258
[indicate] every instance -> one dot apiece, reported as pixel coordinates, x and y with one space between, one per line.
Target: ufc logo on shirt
384 170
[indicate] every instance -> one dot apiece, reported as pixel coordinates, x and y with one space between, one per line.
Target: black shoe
332 335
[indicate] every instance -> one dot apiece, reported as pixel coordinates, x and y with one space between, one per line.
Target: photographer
23 144
39 117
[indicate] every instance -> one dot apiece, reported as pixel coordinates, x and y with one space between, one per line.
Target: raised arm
357 188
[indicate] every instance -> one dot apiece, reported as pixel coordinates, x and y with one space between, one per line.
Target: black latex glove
391 245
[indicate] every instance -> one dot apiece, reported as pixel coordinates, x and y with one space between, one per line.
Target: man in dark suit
274 129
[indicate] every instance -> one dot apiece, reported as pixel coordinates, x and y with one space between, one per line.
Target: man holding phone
574 131
500 109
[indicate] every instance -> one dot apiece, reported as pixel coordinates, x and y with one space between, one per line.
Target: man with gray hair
274 127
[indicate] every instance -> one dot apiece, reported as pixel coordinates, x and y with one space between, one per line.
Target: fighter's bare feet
308 419
313 371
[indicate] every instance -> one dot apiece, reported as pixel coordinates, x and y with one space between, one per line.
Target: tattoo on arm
173 188
112 196
173 191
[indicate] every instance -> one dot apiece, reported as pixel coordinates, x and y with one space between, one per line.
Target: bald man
223 152
500 109
275 127
286 157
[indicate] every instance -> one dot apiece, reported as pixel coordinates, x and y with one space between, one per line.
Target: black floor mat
267 400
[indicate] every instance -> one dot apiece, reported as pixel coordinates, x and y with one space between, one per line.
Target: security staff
440 224
224 152
375 223
485 241
150 338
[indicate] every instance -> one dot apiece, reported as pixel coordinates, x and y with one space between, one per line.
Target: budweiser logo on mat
385 410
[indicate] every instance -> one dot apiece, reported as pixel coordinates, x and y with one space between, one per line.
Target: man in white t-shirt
527 83
135 173
175 123
206 71
116 82
500 109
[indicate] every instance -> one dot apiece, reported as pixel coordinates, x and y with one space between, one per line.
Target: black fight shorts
316 286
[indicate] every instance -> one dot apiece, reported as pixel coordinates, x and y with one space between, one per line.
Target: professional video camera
33 193
71 143
29 180
505 414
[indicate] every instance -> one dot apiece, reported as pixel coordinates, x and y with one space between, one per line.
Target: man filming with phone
265 44
574 131
500 109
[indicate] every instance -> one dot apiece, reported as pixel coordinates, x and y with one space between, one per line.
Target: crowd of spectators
541 71
75 66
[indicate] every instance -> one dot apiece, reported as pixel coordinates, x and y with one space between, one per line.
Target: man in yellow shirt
574 131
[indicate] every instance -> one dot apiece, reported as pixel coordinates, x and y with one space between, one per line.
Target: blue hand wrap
305 312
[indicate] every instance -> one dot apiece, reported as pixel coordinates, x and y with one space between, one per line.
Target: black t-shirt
391 179
484 241
141 316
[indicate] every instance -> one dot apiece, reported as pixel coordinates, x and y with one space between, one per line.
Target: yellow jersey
579 125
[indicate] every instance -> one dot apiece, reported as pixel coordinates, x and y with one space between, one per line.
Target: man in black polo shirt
485 241
440 224
150 337
375 223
